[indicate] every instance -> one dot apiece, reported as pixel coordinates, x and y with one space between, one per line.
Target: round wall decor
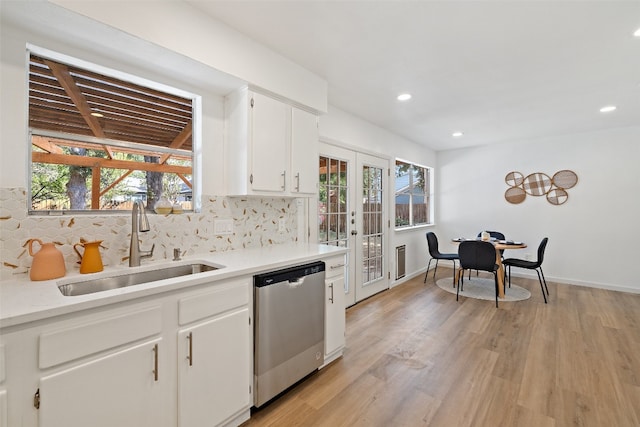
537 184
565 179
515 195
557 196
514 179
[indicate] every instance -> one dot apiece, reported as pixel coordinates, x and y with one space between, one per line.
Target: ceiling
498 71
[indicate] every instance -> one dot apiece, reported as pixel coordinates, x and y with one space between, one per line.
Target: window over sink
100 139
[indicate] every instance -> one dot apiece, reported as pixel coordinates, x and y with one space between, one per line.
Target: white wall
592 237
355 133
179 27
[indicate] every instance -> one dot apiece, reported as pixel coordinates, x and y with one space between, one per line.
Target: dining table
499 245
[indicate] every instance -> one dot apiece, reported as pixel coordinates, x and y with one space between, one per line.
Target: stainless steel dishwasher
288 329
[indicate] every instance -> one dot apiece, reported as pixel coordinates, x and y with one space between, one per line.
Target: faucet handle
148 254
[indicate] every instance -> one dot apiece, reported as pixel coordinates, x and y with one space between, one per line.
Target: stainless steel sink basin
121 281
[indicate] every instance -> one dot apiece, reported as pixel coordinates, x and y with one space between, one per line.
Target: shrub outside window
412 185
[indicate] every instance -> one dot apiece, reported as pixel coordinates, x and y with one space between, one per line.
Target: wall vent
401 270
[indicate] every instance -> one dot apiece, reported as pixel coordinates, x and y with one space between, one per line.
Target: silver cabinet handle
298 181
333 267
354 232
155 362
331 297
284 180
190 356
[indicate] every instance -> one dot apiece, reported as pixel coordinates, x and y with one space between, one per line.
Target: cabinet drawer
334 266
93 334
215 300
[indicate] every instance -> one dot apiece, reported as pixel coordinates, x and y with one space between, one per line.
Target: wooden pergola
90 107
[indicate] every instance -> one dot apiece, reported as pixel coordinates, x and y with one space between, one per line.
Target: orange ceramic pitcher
48 262
90 261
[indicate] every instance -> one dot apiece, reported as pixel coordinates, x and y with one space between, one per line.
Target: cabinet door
214 370
334 315
3 409
304 152
269 147
121 389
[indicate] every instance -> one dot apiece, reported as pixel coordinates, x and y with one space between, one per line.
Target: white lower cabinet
214 355
103 369
335 316
213 370
182 358
334 328
121 389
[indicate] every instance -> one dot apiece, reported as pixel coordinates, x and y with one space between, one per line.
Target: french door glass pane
372 223
333 204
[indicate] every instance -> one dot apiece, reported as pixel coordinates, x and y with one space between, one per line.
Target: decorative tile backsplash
255 224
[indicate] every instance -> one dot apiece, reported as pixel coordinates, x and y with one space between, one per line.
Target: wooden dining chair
434 252
477 255
531 265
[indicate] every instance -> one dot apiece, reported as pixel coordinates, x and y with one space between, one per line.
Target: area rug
481 288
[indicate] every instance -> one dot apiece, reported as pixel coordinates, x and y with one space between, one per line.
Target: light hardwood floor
416 357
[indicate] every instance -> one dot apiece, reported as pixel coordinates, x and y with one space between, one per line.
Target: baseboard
574 282
408 277
554 279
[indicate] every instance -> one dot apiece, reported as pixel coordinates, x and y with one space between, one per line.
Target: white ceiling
498 71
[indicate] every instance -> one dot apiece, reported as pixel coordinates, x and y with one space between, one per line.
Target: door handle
190 356
155 363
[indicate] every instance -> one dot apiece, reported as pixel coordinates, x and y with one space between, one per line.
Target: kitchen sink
132 279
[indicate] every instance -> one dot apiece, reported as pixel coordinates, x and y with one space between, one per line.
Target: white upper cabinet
304 152
269 134
271 147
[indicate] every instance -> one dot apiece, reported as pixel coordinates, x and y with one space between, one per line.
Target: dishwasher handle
296 282
288 274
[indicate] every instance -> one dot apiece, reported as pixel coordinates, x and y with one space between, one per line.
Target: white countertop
23 301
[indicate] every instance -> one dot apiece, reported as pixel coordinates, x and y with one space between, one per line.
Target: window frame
196 135
409 191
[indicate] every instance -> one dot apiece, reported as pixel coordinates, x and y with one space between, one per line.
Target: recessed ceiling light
457 134
97 114
608 109
637 33
404 97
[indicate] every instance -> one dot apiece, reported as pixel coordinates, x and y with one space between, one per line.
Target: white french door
352 213
372 225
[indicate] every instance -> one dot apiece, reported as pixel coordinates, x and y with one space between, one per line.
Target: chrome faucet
139 222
